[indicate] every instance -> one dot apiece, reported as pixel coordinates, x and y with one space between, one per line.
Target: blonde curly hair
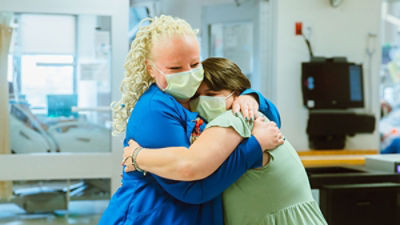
137 79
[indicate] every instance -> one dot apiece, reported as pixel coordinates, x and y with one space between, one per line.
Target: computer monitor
332 85
61 105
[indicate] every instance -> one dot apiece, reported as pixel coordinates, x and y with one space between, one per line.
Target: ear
149 68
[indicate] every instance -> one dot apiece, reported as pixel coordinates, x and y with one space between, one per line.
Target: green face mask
183 85
209 107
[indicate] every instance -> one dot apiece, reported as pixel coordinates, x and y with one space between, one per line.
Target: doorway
389 90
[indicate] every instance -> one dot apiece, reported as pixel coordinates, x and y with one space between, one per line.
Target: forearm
203 157
248 155
171 162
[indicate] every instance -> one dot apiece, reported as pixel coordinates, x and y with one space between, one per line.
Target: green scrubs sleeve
238 123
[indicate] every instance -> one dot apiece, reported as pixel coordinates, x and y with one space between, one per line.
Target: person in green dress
277 193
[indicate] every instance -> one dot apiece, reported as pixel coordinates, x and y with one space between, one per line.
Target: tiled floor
79 212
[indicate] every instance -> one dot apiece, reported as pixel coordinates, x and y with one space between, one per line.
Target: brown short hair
223 74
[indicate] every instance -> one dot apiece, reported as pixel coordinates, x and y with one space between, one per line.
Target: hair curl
137 79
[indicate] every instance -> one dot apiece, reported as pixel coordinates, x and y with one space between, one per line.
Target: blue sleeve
156 125
246 156
393 147
266 107
166 127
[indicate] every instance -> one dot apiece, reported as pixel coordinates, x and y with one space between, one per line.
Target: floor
79 212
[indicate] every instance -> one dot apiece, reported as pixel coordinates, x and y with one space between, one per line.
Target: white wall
190 10
338 31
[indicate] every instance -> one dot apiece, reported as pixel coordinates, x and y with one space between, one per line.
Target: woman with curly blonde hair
163 71
137 79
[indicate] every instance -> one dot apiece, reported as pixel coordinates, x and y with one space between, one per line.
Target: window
42 75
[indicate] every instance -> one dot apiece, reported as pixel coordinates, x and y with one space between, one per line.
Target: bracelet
134 163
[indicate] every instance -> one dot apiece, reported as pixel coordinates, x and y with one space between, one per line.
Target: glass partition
59 78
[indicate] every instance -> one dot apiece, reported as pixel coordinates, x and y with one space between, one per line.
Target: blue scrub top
158 121
394 147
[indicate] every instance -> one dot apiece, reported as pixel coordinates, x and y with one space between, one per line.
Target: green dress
278 193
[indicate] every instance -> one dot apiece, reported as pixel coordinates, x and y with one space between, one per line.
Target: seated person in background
392 140
277 193
389 129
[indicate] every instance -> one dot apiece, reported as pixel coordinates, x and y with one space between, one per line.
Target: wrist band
134 163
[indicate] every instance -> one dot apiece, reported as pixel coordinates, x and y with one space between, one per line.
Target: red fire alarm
299 28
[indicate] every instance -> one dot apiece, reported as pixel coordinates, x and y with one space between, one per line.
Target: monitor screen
355 83
61 105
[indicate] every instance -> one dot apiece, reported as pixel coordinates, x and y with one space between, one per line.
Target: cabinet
364 204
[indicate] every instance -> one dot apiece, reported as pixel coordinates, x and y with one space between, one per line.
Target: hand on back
127 156
267 134
247 105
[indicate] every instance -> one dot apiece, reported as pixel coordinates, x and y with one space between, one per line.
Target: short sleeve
228 119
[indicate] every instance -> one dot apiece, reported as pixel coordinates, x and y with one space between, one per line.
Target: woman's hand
247 105
267 134
127 159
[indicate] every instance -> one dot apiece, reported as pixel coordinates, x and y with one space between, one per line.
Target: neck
184 103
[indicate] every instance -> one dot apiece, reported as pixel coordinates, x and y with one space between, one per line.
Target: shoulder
228 119
228 115
155 101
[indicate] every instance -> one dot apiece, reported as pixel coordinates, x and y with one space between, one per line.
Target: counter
328 167
350 193
313 158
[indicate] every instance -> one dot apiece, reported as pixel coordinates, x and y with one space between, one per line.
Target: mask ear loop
229 95
158 69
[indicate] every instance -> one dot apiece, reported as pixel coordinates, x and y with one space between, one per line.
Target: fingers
267 133
280 139
256 115
246 105
279 136
126 161
249 110
129 168
123 161
127 153
276 135
253 110
251 115
236 108
245 111
255 106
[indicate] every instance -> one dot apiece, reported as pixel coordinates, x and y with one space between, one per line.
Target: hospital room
164 112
